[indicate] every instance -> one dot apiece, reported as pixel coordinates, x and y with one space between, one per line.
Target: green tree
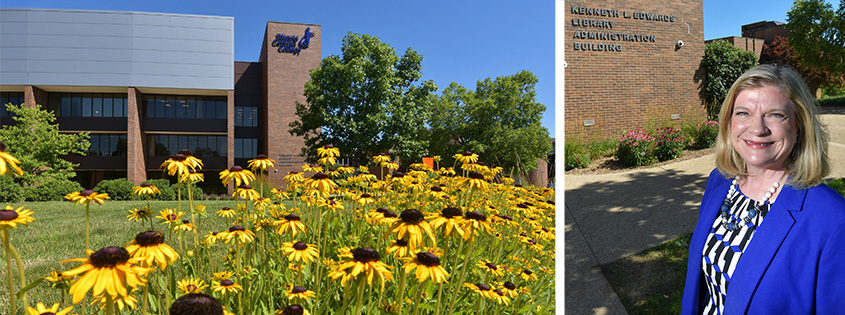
723 64
34 139
367 101
500 121
817 34
780 52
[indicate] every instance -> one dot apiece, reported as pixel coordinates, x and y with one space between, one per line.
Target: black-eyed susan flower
280 194
381 158
238 174
226 212
192 161
40 309
490 267
313 168
474 180
527 275
150 248
466 157
399 248
509 289
191 176
10 217
389 165
366 199
146 189
226 286
120 301
290 223
426 265
170 216
475 221
450 218
246 192
437 192
446 171
300 293
327 161
328 150
320 184
503 219
364 262
480 288
185 226
196 303
240 233
58 276
138 214
500 297
412 223
293 309
261 163
8 159
294 177
507 180
107 270
211 238
176 165
87 196
191 285
331 204
346 169
300 251
223 275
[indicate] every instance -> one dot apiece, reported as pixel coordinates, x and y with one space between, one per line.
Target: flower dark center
545 229
509 285
320 176
436 189
550 202
467 153
491 266
528 272
428 259
179 157
366 195
86 193
191 171
298 289
532 242
292 217
505 217
261 157
365 254
149 238
108 257
528 204
450 212
522 205
517 185
328 146
293 173
227 283
8 215
482 287
381 210
293 310
236 228
499 292
146 185
227 208
191 288
412 216
401 242
186 153
475 175
247 187
300 246
236 168
474 215
142 212
47 313
186 221
389 214
171 217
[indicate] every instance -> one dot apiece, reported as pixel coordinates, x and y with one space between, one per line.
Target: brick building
147 85
626 67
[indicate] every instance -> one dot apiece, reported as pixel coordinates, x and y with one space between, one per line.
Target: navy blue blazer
795 264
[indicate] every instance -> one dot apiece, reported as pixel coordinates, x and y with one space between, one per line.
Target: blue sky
723 18
461 41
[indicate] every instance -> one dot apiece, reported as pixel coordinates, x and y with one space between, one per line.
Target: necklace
730 223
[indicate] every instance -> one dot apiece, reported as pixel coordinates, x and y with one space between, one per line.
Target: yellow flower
331 204
480 288
6 158
300 251
451 220
366 199
260 164
120 301
238 232
293 309
300 292
294 177
364 261
226 212
107 270
490 267
328 150
427 265
292 223
226 286
246 192
312 168
527 275
412 222
238 174
41 309
146 189
499 296
345 169
191 285
211 238
57 276
10 217
509 289
185 226
176 165
150 248
436 158
466 157
138 214
381 158
280 194
327 161
321 184
170 216
474 180
399 248
192 161
389 165
223 275
473 222
446 171
191 176
87 196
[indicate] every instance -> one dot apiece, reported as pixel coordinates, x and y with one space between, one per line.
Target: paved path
612 216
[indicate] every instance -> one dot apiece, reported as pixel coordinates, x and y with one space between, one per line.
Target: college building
147 85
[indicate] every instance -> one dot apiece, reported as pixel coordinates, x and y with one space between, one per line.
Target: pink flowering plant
669 143
705 136
635 148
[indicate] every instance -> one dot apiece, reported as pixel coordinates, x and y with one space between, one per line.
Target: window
200 145
107 145
16 98
246 116
246 148
185 107
87 104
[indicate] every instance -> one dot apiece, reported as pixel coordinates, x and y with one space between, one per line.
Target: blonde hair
808 163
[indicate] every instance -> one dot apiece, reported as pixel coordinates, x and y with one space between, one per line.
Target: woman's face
764 128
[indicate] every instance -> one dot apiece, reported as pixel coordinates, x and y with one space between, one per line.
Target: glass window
212 146
221 146
65 105
202 147
169 108
179 105
97 105
191 107
108 105
86 105
120 104
113 145
94 149
200 108
160 107
55 103
76 105
221 110
239 116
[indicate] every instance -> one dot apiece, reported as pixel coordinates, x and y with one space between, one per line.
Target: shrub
832 101
574 155
118 189
9 190
635 148
838 185
50 189
578 160
723 63
601 149
706 133
668 143
167 191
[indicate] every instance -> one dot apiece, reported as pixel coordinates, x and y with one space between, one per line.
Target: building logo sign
292 44
601 32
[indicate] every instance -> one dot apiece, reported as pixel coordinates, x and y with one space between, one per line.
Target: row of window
107 145
87 104
246 116
200 145
189 107
16 98
246 148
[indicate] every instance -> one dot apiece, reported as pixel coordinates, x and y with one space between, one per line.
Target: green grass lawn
58 233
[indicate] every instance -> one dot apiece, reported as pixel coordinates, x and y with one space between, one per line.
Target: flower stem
417 299
360 296
401 291
109 305
9 278
146 300
87 228
439 295
463 275
21 274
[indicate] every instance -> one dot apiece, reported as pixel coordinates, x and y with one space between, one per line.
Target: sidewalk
611 216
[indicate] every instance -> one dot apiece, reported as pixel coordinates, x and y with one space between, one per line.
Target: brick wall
285 75
628 71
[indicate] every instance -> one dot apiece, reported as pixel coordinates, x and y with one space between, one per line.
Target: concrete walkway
612 216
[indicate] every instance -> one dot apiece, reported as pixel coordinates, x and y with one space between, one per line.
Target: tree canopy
500 121
817 34
367 101
780 52
35 140
723 63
